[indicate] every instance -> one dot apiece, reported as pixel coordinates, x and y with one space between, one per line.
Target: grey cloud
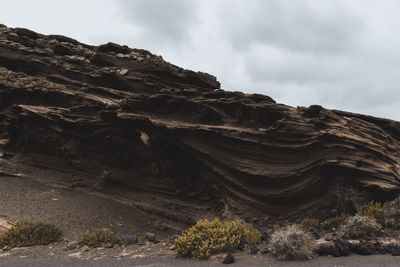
327 52
310 26
161 20
337 53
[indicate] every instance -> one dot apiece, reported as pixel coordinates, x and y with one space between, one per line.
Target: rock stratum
125 124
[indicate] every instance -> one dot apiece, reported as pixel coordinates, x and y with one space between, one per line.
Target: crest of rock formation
125 124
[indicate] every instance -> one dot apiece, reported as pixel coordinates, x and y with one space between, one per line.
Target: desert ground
110 155
74 211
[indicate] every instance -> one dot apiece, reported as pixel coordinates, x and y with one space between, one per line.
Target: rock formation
125 124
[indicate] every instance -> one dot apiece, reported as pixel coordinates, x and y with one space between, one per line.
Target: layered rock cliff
125 124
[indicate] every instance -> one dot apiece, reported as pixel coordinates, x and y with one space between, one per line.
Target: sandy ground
259 260
76 211
73 211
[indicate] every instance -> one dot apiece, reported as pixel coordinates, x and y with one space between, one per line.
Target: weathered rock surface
128 125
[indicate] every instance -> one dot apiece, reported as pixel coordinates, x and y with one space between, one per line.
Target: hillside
126 125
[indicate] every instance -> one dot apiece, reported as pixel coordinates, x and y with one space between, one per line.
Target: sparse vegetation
291 243
361 227
391 214
209 237
98 238
27 234
373 210
387 214
335 222
310 223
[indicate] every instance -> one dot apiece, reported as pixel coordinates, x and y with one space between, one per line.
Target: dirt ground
155 255
75 211
72 211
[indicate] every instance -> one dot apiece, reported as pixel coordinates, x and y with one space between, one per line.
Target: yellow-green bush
98 238
209 237
373 210
27 234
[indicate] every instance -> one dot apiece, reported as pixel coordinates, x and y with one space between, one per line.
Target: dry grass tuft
335 222
27 234
391 214
310 223
291 243
98 238
361 227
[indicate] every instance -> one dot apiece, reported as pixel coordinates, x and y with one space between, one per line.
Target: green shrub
361 227
98 238
291 243
27 234
387 214
208 237
374 210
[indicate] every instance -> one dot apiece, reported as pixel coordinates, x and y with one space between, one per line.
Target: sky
341 54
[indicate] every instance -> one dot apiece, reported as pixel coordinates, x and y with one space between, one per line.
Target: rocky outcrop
125 124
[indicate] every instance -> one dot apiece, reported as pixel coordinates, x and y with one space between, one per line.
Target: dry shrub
361 227
209 237
387 214
98 238
291 243
310 223
335 222
391 214
27 234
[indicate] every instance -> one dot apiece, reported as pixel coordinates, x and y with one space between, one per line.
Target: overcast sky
342 54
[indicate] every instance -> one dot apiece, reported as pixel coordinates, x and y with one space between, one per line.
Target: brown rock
210 151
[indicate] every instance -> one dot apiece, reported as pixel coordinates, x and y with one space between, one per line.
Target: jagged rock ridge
125 124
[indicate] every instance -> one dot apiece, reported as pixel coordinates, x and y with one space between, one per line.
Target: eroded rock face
126 124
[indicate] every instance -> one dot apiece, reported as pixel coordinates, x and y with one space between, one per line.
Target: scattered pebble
130 239
76 255
254 250
7 248
123 71
72 245
85 248
264 250
150 237
108 245
138 256
124 253
228 259
2 255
